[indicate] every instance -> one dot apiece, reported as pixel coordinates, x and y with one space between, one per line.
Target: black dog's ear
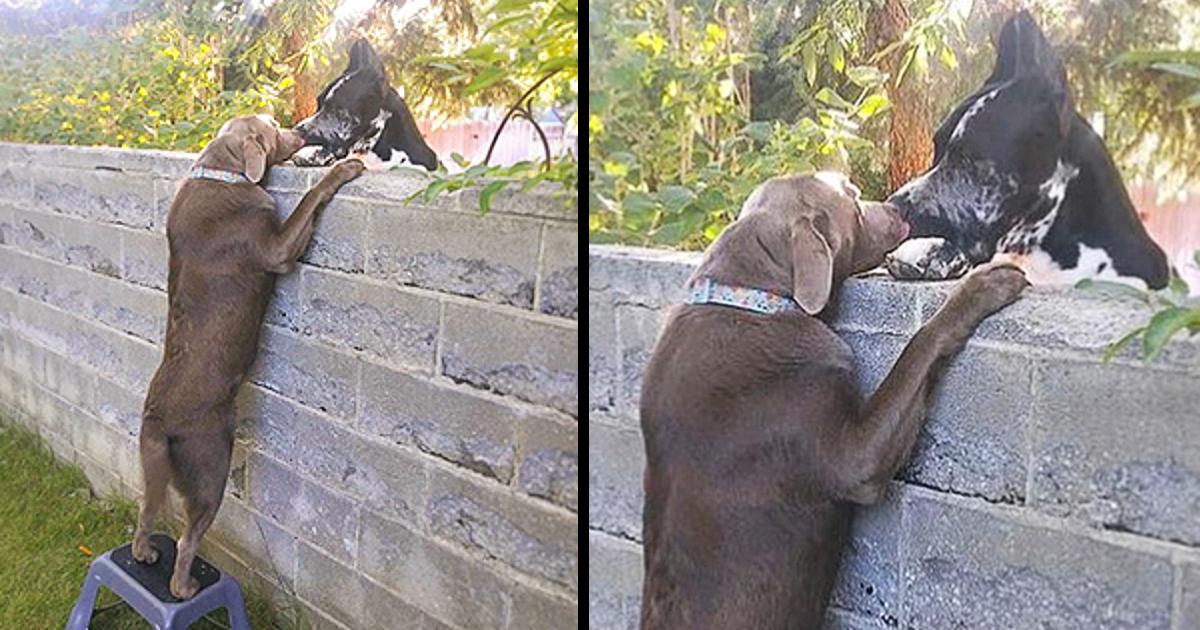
1022 50
363 56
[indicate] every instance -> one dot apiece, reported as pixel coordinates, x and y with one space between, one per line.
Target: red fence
1174 222
518 142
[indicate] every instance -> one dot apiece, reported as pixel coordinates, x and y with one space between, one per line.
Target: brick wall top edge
1046 319
545 201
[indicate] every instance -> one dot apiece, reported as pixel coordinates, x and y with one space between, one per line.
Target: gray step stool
146 588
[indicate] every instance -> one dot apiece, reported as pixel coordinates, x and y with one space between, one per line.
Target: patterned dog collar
201 172
705 291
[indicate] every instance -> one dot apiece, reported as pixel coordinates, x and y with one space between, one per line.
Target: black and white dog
1018 175
358 112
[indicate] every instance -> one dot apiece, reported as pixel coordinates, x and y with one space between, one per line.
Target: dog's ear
364 57
254 159
812 266
1023 50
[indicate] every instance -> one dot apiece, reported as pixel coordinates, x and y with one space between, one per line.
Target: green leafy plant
1176 312
529 46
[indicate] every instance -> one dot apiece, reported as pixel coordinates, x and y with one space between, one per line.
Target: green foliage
527 46
490 180
153 83
673 150
1176 312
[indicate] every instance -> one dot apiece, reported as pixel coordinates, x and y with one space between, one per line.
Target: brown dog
226 246
757 444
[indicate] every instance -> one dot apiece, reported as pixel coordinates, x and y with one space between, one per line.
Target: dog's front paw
144 552
991 287
346 170
184 588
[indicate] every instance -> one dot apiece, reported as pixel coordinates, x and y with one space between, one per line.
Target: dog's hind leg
156 473
202 463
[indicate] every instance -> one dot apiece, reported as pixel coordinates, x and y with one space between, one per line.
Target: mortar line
1031 429
1176 595
539 274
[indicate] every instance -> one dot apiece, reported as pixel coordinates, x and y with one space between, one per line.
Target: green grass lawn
48 518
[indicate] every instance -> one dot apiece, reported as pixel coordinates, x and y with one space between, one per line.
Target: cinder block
602 349
340 237
383 609
285 308
458 591
145 258
392 188
35 233
487 520
616 463
559 275
549 466
124 307
287 177
969 568
113 159
531 358
492 258
1118 447
317 515
546 200
267 421
873 303
72 382
645 277
16 186
117 406
869 581
306 372
1056 318
614 582
1189 603
96 248
256 539
389 480
638 329
536 609
330 586
974 440
460 426
103 481
96 195
395 326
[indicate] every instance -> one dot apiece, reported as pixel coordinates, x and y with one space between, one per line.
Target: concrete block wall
407 451
1048 490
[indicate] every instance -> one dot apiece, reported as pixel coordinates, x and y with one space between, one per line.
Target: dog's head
1001 145
249 145
802 235
358 112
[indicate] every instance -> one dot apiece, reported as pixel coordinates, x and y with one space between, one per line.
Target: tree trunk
910 139
304 92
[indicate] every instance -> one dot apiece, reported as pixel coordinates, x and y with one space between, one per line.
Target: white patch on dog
971 193
972 111
1024 236
337 84
1041 269
926 258
306 154
373 162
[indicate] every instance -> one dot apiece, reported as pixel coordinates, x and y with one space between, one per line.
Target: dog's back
740 530
217 298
